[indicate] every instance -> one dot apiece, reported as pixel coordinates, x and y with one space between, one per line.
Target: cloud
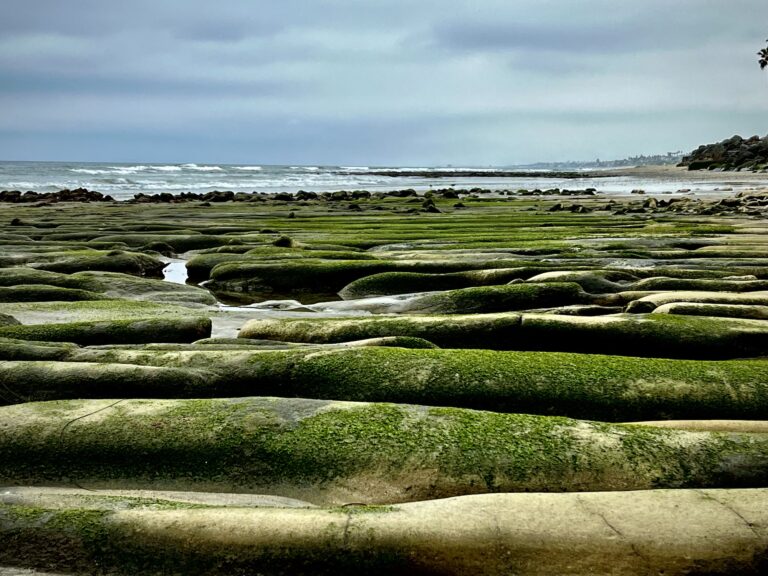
376 82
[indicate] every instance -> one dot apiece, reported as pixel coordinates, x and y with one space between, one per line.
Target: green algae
40 380
133 331
488 299
119 261
390 283
98 310
8 320
608 388
655 335
42 293
19 276
287 446
178 242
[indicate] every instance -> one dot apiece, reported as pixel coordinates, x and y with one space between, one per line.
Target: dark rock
302 195
284 242
402 193
217 196
734 153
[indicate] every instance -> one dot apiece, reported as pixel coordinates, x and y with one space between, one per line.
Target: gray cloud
376 82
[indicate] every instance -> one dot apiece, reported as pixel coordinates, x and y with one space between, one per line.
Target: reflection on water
175 271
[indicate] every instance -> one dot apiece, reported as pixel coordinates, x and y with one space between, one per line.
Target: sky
375 82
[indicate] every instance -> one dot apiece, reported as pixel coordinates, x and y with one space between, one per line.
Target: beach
316 382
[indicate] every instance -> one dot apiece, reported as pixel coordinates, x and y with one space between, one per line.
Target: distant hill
735 153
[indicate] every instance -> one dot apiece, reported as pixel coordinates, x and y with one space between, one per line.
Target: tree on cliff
763 58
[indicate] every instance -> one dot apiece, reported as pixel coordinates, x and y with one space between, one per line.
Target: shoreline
615 183
658 179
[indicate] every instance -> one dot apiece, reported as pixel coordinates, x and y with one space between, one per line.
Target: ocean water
123 181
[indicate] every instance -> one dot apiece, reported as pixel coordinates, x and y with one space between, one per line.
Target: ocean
123 180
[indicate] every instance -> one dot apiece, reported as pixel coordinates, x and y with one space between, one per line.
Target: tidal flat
451 382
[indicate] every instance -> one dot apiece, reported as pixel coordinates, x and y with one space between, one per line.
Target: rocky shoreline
395 382
735 153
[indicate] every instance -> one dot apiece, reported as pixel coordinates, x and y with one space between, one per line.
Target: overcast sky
404 82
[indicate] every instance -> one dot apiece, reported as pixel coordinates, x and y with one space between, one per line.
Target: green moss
592 281
270 253
91 542
486 299
655 335
447 332
114 284
41 293
668 284
97 310
390 283
609 388
324 276
134 331
179 243
25 381
125 262
294 446
21 276
52 539
8 320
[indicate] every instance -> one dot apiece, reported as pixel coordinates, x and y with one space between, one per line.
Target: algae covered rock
291 277
592 281
116 285
25 276
177 242
335 452
672 532
391 283
648 335
750 311
42 293
606 388
135 331
701 284
12 349
651 301
34 381
317 276
484 299
8 320
118 261
93 310
654 335
454 331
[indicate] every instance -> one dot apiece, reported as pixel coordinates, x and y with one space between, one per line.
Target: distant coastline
127 181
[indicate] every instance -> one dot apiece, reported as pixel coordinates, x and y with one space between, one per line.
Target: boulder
671 532
331 453
646 335
134 331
